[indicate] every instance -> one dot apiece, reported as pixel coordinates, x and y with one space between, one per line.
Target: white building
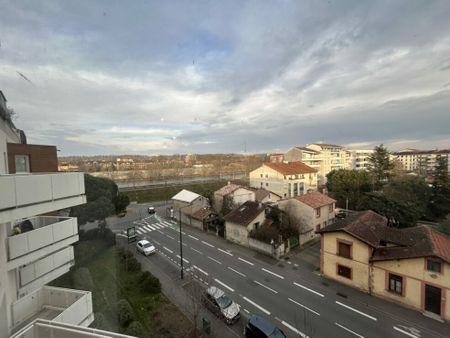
360 158
236 193
420 161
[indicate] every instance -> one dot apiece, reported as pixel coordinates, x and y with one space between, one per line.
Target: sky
165 77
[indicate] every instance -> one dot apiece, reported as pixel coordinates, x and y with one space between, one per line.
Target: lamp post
181 239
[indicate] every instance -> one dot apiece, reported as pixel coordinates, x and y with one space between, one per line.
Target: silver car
145 247
218 302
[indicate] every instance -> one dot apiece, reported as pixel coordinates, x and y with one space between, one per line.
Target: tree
444 227
121 201
349 184
439 204
227 205
380 165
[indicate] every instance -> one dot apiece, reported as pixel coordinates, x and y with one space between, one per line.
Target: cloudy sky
114 77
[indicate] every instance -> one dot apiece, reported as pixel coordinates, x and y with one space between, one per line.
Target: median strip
348 330
272 273
257 306
354 310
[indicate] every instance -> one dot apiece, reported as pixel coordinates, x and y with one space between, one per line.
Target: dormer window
434 265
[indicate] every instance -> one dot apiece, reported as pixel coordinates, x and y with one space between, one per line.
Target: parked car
151 210
145 247
258 327
218 303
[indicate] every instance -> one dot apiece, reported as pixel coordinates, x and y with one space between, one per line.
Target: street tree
439 203
380 166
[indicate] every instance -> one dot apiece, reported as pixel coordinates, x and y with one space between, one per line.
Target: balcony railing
45 231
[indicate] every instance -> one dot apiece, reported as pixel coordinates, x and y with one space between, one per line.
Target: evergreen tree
439 204
380 165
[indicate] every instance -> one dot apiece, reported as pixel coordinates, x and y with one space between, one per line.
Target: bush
149 283
124 312
82 279
133 265
266 234
135 329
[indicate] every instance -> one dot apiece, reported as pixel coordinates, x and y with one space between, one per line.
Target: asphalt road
290 295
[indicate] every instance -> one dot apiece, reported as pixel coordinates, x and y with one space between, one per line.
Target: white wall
7 135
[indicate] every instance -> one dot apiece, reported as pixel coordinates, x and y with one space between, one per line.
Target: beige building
285 179
409 266
238 223
420 161
360 159
311 212
188 202
237 195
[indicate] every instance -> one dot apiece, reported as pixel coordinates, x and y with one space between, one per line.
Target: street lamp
181 238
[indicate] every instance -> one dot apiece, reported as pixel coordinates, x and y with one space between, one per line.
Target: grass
165 193
112 282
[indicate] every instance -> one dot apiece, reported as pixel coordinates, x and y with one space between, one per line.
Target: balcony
25 195
54 304
45 235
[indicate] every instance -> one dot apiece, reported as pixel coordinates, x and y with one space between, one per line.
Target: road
290 295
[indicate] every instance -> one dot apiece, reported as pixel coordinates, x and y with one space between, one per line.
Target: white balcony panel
67 185
31 188
8 195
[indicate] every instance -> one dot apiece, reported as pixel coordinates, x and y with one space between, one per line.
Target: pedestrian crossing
145 226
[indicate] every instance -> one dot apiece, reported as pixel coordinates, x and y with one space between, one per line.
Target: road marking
156 225
206 243
215 260
247 311
139 231
348 330
184 259
257 306
241 259
225 252
193 237
204 272
273 273
197 251
168 249
162 233
170 237
265 286
122 235
308 289
183 243
150 227
166 223
357 311
405 332
289 326
224 285
156 242
239 273
305 307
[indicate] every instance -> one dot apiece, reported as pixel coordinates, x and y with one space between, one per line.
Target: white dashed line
206 243
265 286
308 289
256 305
348 330
140 232
243 260
289 326
162 233
184 244
225 252
239 273
247 311
305 307
272 273
167 249
405 332
357 311
224 285
215 260
197 251
156 242
170 237
193 237
184 259
203 272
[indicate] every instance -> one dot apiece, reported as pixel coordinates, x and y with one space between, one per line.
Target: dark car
151 210
258 327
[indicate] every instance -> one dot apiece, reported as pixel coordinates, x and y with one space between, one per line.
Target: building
311 212
36 242
188 202
236 194
360 159
265 196
276 157
238 223
410 266
285 179
420 161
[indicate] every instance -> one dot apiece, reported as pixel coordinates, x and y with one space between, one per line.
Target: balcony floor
45 313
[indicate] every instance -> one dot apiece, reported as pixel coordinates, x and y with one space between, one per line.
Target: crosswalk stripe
147 228
167 223
151 227
156 226
140 232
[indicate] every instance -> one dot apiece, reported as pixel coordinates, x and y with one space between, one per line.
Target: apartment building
410 266
419 161
360 159
285 179
36 243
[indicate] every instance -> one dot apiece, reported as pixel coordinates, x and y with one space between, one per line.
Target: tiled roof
246 213
441 244
291 168
315 199
227 189
202 213
261 193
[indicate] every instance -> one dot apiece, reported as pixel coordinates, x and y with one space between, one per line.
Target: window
331 208
262 184
262 175
395 283
267 176
344 249
267 184
256 226
344 271
317 212
22 163
317 227
434 265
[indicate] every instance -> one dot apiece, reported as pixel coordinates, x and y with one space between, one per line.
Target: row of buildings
36 241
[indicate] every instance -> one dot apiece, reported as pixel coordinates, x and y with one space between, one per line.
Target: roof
393 243
261 193
186 196
315 199
203 213
307 149
246 213
326 145
291 168
227 189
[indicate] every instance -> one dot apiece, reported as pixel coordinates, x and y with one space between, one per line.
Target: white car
218 302
145 247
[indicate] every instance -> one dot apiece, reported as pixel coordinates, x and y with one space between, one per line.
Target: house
311 212
239 222
265 196
188 202
410 266
204 219
236 195
284 179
